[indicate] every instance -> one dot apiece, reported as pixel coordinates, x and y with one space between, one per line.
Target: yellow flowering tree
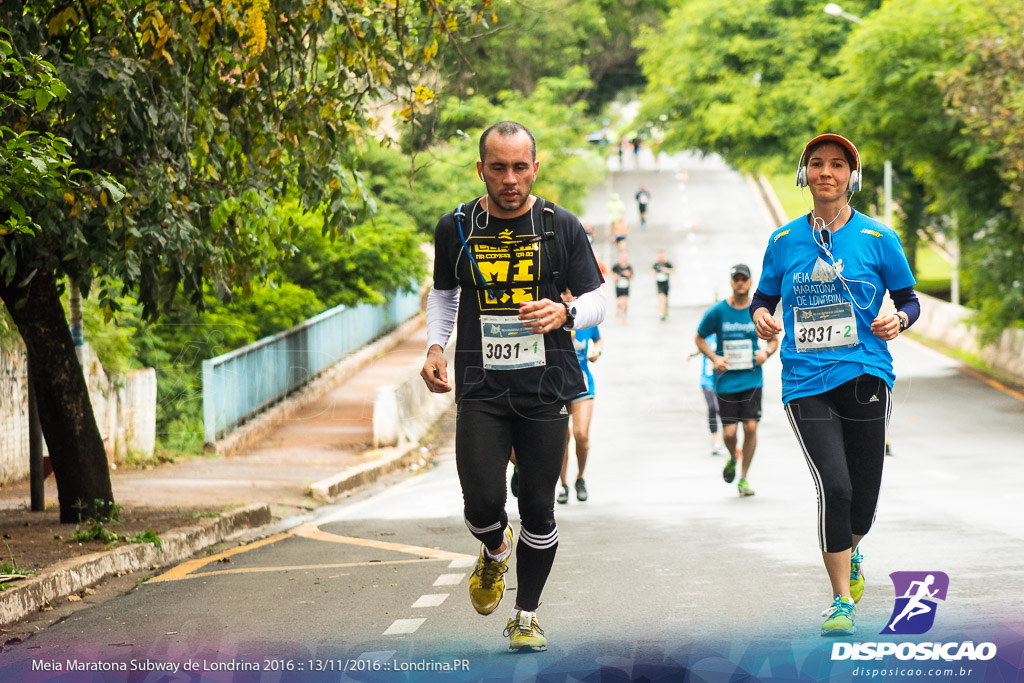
205 114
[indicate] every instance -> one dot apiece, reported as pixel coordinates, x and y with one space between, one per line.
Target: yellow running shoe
856 575
525 634
487 584
744 488
839 618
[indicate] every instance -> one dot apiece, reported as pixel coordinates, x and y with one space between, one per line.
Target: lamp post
834 10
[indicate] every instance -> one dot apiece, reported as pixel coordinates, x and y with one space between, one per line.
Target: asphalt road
664 569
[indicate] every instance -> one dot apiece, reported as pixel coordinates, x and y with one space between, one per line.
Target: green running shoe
744 489
856 575
839 618
729 473
487 584
525 634
514 484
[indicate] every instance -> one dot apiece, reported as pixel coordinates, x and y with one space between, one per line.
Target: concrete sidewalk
318 450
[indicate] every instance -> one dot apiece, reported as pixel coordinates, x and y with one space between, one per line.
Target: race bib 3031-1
507 344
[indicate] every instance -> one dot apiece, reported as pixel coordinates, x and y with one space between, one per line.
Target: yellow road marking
248 570
313 532
992 383
187 567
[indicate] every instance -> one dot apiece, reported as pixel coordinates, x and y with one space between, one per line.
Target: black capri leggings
486 430
842 433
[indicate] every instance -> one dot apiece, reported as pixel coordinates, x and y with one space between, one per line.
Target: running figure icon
916 605
918 594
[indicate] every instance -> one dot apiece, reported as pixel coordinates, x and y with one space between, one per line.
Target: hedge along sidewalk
72 576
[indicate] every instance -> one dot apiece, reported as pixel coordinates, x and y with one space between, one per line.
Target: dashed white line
449 579
460 562
404 626
431 600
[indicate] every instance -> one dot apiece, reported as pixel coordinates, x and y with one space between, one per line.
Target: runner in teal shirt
737 360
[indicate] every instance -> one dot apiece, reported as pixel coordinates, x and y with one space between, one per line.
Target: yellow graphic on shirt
506 259
824 272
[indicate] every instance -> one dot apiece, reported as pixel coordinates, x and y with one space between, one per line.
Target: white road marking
449 579
460 562
404 626
430 600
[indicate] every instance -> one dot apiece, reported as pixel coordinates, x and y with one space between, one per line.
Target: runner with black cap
737 359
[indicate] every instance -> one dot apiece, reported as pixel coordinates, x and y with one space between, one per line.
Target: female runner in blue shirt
830 269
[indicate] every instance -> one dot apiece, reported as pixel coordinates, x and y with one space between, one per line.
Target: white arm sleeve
590 309
442 310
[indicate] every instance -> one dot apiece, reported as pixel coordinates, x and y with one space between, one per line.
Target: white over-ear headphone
855 174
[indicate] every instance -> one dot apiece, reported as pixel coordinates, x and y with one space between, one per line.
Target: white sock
525 617
500 556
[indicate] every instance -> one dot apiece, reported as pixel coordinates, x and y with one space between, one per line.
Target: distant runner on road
737 361
662 269
588 345
643 198
623 273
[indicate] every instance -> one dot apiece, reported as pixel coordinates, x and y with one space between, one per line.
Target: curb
71 576
769 199
389 460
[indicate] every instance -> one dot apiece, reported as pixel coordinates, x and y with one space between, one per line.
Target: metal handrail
242 383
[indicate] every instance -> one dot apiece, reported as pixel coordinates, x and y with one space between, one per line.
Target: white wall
125 410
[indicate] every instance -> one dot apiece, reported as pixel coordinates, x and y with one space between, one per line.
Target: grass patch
10 570
95 529
795 201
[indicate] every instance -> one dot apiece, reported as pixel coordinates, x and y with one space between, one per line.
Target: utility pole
35 448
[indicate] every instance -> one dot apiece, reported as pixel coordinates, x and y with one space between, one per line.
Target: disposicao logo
916 595
913 613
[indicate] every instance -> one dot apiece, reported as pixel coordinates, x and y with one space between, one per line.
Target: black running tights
842 433
486 431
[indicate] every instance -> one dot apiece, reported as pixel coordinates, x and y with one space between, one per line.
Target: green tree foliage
948 179
208 113
557 120
889 97
742 78
932 87
528 41
986 92
374 260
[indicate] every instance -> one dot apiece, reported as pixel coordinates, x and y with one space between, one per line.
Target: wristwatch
903 322
570 314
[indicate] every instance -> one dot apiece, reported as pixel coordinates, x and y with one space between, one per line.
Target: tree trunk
65 412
